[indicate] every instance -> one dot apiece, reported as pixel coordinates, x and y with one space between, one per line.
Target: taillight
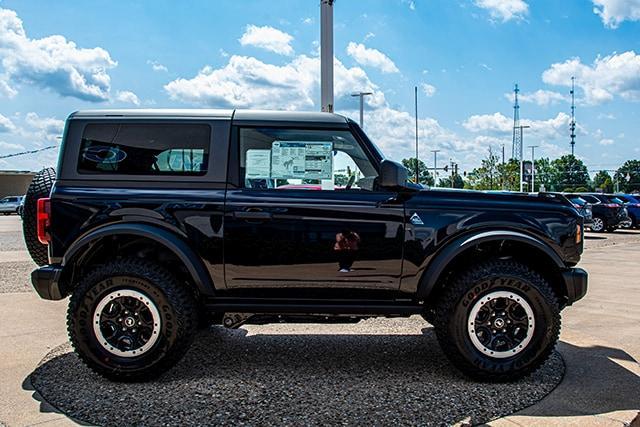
578 234
612 205
43 220
575 205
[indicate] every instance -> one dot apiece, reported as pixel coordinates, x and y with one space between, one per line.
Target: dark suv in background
583 207
608 213
160 220
632 203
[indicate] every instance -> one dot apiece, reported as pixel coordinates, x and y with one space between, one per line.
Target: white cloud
156 66
410 3
247 82
493 123
307 21
6 125
267 38
42 128
606 141
128 97
499 124
371 57
539 97
369 35
504 10
9 146
51 62
428 89
608 77
614 12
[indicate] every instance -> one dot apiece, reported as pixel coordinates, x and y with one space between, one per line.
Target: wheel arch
463 250
160 237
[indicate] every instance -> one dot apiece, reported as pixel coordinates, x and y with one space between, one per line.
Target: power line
6 156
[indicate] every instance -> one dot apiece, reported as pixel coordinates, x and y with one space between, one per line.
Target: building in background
15 183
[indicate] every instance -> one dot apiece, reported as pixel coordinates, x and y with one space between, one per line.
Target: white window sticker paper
258 164
302 160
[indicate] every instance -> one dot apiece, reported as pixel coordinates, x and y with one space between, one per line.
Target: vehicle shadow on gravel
595 382
230 377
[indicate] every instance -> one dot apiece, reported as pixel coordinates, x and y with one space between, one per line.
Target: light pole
522 157
416 105
435 167
326 55
361 95
502 174
533 167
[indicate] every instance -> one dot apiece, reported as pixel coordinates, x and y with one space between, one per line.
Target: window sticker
104 154
258 164
301 160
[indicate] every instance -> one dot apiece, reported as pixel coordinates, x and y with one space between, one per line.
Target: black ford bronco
160 221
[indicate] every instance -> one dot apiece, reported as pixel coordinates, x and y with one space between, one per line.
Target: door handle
253 215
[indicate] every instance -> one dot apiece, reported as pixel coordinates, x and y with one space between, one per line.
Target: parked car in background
632 203
607 214
20 209
10 204
583 207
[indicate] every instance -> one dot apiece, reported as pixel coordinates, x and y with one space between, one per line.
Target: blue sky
465 56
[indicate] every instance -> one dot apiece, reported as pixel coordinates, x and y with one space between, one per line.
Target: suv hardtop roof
255 115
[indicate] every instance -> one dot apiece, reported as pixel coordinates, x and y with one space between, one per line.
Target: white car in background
10 204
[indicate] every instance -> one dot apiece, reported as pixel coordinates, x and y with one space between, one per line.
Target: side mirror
393 174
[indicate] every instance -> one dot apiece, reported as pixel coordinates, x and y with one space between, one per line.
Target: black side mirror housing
393 174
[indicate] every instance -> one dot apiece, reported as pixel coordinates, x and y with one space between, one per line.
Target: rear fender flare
171 241
446 255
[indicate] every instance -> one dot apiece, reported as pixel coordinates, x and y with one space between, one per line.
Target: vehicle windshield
578 201
616 200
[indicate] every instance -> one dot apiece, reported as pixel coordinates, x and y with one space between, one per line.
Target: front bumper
575 282
45 281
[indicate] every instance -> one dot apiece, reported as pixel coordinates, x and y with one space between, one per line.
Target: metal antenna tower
572 125
516 149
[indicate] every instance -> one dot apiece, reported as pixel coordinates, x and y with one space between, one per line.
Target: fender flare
170 240
447 254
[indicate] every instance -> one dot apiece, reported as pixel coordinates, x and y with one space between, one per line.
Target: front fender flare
447 254
170 240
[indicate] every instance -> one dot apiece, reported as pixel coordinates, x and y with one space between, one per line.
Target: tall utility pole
326 55
416 105
361 95
521 131
435 167
516 149
572 125
503 171
533 168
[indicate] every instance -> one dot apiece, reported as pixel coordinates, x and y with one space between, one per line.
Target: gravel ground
16 276
380 372
12 240
618 237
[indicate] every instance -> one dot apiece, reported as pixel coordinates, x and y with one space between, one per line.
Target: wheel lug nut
493 330
133 330
503 331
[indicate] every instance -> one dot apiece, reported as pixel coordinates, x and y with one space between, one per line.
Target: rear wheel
131 320
598 224
498 321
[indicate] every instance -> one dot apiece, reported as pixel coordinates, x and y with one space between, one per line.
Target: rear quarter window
145 149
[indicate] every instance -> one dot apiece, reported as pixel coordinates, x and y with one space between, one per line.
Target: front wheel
131 320
598 225
498 321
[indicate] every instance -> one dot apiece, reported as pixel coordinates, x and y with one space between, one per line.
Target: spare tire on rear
40 187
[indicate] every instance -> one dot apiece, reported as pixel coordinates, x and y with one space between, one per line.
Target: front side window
304 159
145 149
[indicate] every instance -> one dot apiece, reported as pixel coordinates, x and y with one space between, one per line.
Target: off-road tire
174 301
466 289
40 187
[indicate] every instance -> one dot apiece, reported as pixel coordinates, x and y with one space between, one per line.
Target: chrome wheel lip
476 309
150 305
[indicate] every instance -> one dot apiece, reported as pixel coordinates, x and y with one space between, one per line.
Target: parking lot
379 371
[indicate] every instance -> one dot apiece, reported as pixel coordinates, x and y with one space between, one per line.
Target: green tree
603 182
570 173
632 169
510 175
488 175
424 176
545 175
458 182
